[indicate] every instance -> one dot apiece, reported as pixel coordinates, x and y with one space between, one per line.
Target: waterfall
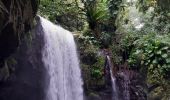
113 79
61 61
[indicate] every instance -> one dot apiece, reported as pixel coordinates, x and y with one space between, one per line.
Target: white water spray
61 61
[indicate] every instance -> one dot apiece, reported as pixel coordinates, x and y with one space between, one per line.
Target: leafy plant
153 52
97 71
64 12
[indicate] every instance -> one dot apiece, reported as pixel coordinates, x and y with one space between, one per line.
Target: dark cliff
25 80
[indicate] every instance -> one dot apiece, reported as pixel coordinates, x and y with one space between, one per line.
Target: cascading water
61 61
113 79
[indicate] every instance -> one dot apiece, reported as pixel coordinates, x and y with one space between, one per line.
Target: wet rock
130 85
27 82
16 19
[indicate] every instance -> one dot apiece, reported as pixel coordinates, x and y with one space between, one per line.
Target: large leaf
165 55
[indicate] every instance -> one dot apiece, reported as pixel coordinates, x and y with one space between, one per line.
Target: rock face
28 80
130 85
16 18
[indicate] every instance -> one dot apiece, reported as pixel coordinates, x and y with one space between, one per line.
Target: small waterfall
61 61
113 79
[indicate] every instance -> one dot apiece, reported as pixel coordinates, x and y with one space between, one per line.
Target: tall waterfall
113 79
61 61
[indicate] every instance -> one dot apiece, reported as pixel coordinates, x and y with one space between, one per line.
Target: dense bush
66 13
150 55
152 51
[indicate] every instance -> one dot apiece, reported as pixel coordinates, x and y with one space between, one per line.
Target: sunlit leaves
152 52
67 13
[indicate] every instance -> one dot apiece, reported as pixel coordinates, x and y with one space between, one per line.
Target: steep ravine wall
27 82
24 82
16 19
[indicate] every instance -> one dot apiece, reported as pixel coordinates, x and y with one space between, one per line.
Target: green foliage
67 13
123 45
96 11
48 9
97 69
150 55
51 8
144 5
114 6
87 43
157 22
93 71
159 17
97 14
153 52
106 39
128 40
162 5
